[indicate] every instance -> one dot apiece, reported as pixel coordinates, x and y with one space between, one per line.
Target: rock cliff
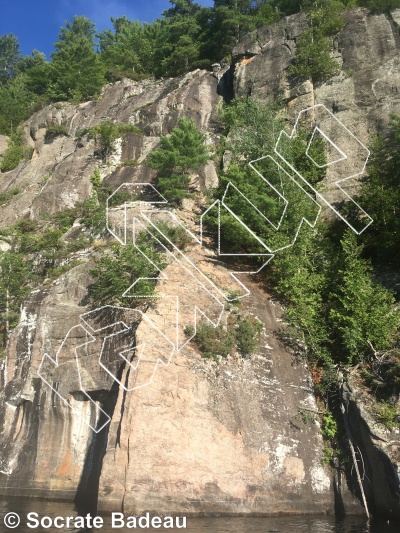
202 437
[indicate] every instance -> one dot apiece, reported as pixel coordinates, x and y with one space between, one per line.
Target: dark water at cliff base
291 524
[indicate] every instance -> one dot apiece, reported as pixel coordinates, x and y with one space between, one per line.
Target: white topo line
192 270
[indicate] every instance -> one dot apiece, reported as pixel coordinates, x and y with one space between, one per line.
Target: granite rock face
362 95
58 176
379 448
221 438
202 437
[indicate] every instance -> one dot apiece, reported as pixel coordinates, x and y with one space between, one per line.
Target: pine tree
14 286
128 50
177 155
9 57
178 50
15 101
380 197
362 310
229 21
115 272
76 67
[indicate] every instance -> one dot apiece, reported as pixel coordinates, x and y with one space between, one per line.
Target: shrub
388 415
312 59
116 272
248 335
15 153
95 178
6 196
221 341
329 426
53 132
380 6
176 234
215 342
106 134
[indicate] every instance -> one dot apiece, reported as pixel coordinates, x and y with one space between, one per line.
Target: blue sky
37 22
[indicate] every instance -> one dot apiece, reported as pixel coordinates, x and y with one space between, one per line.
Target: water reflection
292 524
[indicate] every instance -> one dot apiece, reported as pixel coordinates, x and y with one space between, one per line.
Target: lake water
293 524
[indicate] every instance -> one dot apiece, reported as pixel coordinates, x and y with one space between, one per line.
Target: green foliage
128 50
6 196
179 51
380 197
248 335
15 278
15 103
301 278
173 233
214 342
332 300
317 150
178 154
380 6
329 426
91 212
76 70
388 415
9 57
242 335
329 455
329 433
15 153
363 310
115 272
253 127
53 132
105 135
95 179
312 60
228 22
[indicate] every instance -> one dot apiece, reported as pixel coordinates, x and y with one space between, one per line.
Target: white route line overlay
353 138
89 331
184 260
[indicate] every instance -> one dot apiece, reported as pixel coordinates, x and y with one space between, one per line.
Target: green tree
362 310
15 102
380 197
16 152
115 272
128 50
313 54
379 6
301 277
76 67
181 7
229 21
178 154
179 43
252 128
15 280
37 73
9 57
